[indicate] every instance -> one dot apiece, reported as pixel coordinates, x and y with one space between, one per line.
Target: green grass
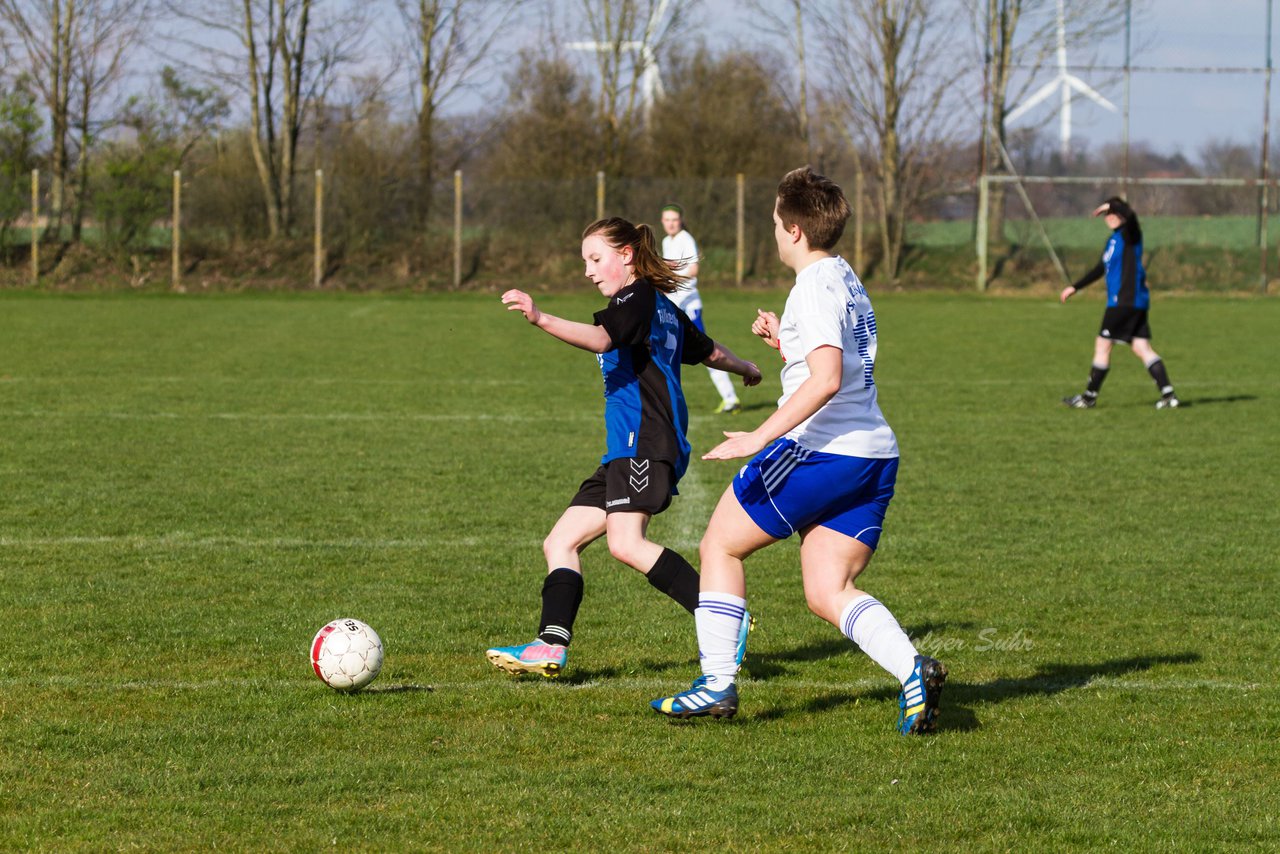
193 486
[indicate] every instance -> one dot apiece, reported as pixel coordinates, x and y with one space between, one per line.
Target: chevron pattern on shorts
639 475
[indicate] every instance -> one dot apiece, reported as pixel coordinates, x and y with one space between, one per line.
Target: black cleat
1081 401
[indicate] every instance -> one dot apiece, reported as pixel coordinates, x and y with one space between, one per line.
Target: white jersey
829 307
680 250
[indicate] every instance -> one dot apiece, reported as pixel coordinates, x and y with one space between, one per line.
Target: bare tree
44 29
626 37
107 31
892 83
284 55
74 52
788 23
450 41
1017 39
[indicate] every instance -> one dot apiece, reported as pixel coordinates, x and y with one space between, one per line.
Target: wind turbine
651 88
1068 82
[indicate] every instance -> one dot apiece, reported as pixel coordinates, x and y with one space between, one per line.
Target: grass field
193 486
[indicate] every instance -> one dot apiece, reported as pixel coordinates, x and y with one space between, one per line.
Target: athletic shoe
748 623
918 702
547 659
1081 401
726 407
698 702
1168 401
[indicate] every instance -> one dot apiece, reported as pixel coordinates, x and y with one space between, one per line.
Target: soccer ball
346 655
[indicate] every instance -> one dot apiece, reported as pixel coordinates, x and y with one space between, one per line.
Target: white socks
724 384
870 625
719 620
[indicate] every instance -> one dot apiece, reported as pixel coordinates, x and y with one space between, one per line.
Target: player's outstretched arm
723 359
583 335
1099 270
826 369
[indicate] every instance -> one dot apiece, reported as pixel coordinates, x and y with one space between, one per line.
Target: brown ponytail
647 263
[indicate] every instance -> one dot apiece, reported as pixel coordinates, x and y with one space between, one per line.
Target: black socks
561 596
673 575
1161 376
1096 376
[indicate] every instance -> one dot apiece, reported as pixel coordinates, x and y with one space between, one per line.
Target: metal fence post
317 276
740 261
1263 201
984 193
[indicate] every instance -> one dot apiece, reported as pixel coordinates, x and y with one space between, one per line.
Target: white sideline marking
224 378
578 415
591 415
653 684
552 380
303 416
189 541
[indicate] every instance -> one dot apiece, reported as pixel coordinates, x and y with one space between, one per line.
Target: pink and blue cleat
547 659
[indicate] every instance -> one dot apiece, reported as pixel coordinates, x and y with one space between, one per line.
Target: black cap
1115 205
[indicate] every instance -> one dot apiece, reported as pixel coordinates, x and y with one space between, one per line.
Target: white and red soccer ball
346 654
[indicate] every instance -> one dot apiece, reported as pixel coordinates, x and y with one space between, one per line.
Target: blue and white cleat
699 701
748 623
918 702
547 659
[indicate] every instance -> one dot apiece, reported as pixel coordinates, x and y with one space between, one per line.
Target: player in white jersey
681 250
823 465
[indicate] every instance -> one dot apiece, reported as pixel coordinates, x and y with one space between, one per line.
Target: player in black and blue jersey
641 339
1128 301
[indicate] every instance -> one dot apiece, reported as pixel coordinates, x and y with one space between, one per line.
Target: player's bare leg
831 562
731 537
1155 366
1102 352
721 617
577 528
628 542
547 655
1097 373
666 570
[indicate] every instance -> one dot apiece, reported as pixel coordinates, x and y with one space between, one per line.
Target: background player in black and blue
641 339
1128 301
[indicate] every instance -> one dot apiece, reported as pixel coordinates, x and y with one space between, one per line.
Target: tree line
530 98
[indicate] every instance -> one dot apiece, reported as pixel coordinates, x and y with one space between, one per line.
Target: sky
1171 112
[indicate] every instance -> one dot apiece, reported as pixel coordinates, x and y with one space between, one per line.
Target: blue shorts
787 488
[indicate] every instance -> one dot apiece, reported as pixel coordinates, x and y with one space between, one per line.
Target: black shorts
628 486
1124 323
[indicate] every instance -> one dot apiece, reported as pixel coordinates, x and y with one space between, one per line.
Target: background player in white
824 465
681 250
